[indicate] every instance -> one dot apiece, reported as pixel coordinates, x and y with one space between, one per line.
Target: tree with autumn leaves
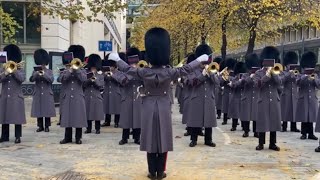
224 24
73 10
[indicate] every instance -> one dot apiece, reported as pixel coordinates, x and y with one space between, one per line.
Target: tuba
77 64
213 68
12 66
142 64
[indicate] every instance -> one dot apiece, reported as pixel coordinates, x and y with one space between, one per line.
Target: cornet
142 64
12 66
225 74
276 69
77 64
213 68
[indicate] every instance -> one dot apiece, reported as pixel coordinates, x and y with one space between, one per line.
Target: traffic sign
105 46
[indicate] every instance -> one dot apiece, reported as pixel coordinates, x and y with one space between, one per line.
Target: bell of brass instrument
312 76
277 69
225 74
12 66
77 64
142 64
295 72
213 68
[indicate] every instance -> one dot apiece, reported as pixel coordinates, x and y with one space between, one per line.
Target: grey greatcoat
235 97
93 98
269 110
73 111
12 109
187 91
249 100
111 96
43 101
130 114
156 122
289 96
202 102
225 95
307 105
218 96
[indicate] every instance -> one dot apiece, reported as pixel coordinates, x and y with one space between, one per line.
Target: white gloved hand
204 72
203 58
114 57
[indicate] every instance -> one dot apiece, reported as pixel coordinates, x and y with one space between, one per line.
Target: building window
22 12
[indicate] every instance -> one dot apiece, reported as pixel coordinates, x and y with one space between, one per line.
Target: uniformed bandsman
237 86
289 96
156 127
269 109
218 92
229 64
73 110
130 111
12 109
202 103
43 102
93 97
249 97
307 105
111 94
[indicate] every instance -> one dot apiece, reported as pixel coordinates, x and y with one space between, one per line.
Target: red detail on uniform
165 161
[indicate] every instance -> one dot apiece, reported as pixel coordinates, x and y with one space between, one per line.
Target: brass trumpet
142 64
276 69
312 76
12 66
295 72
77 64
213 68
225 74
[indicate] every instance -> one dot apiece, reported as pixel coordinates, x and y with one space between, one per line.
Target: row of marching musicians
91 91
259 90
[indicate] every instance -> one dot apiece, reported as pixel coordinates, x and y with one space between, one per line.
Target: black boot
259 147
46 129
312 137
210 143
245 134
17 141
40 129
4 140
87 131
317 149
193 144
274 147
152 176
64 141
78 141
105 124
123 141
137 141
303 137
161 175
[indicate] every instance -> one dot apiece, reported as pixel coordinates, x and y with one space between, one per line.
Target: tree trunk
224 38
203 34
252 37
186 46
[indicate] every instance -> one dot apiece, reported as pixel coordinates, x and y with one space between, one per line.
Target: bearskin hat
123 56
78 51
252 60
240 67
270 52
290 57
203 49
230 63
191 57
157 44
41 57
217 60
13 53
308 60
133 51
94 60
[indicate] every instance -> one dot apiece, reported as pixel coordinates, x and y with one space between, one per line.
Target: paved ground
40 156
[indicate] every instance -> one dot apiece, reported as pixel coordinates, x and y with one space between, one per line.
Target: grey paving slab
40 156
